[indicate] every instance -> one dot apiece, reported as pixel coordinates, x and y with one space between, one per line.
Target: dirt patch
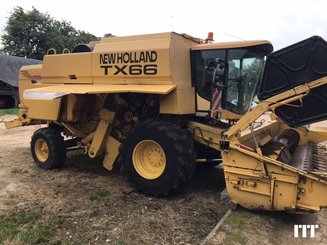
82 203
246 227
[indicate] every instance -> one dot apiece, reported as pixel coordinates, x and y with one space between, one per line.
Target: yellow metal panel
312 195
100 133
263 134
104 128
123 67
180 101
102 89
241 162
180 62
26 75
112 151
251 193
112 40
67 68
43 109
284 195
315 135
155 63
202 104
236 44
285 177
225 114
205 134
142 59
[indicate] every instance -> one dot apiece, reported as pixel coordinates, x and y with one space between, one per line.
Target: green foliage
26 227
31 33
25 33
39 234
109 35
12 111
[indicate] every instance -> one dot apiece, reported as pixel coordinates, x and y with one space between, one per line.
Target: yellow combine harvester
159 103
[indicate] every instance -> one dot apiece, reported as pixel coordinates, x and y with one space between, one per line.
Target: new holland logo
129 63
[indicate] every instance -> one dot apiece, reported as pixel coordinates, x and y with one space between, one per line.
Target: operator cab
226 76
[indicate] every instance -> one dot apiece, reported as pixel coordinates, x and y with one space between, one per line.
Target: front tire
48 148
158 157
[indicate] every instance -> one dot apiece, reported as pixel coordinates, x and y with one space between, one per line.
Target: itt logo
305 230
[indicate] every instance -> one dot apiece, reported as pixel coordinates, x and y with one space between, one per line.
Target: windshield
245 68
244 73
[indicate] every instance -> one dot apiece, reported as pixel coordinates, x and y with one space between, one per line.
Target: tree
31 33
109 35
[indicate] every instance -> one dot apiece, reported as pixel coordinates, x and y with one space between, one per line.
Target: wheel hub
41 150
149 159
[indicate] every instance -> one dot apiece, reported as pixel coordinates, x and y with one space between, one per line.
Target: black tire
55 154
177 145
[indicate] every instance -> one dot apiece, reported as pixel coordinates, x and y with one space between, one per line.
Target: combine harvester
159 103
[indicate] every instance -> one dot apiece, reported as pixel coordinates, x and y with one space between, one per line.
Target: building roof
9 68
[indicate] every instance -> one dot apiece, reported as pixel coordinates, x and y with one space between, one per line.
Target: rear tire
158 157
48 148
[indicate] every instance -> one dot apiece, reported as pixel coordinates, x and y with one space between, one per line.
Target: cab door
208 96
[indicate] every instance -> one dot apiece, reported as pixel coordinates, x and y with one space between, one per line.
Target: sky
283 22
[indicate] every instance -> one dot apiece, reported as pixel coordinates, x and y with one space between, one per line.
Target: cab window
203 66
244 70
244 73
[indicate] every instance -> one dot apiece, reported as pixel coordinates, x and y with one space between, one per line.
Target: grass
97 196
10 200
80 239
27 227
238 221
12 111
16 171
